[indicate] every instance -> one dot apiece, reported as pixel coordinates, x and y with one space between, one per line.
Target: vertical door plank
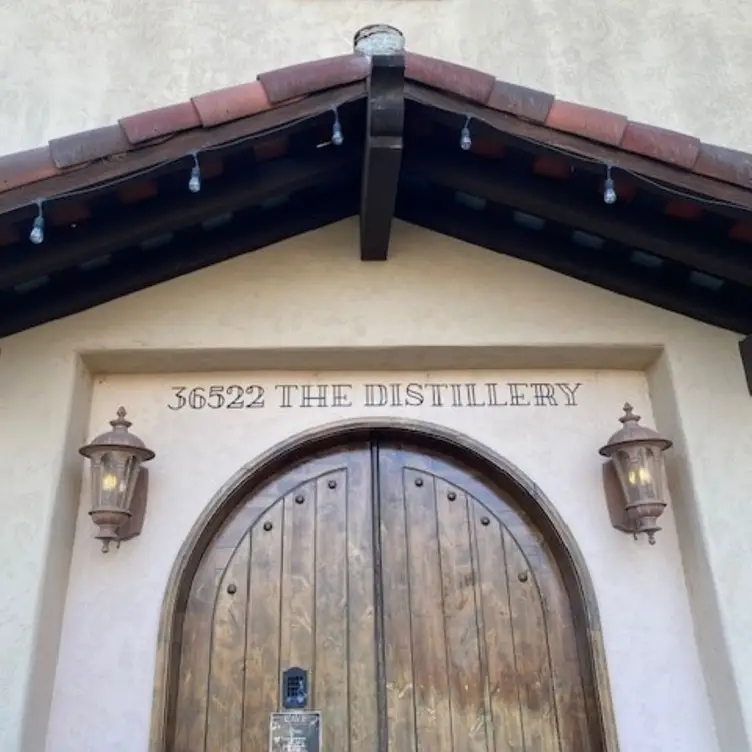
330 679
261 695
360 605
398 657
570 697
298 581
539 718
433 708
467 674
192 700
496 618
227 672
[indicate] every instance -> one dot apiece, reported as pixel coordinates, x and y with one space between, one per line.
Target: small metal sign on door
295 731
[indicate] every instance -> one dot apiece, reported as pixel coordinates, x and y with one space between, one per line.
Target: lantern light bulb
466 141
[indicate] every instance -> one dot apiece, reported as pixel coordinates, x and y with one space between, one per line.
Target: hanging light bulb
194 184
36 235
337 136
466 141
609 190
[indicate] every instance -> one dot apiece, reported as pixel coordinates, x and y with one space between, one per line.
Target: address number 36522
232 397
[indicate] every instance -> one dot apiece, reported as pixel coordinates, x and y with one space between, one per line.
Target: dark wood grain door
426 610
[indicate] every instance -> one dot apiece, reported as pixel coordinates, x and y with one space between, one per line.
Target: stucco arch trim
495 467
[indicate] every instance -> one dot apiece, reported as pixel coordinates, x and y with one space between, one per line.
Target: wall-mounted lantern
636 455
118 482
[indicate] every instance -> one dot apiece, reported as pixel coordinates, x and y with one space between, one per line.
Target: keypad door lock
294 688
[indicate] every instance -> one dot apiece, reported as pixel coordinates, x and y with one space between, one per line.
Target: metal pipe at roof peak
379 39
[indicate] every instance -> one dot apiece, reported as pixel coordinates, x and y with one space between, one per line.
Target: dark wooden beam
587 155
228 136
100 237
257 229
566 205
745 347
383 154
478 228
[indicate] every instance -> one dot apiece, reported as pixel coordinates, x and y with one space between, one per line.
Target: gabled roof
528 182
135 135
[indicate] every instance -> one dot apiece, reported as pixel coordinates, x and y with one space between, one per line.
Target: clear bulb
609 192
36 235
194 184
337 137
465 141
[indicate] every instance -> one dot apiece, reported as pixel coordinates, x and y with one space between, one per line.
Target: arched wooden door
427 611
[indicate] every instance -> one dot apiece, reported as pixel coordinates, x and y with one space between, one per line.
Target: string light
466 141
36 235
337 137
194 184
609 190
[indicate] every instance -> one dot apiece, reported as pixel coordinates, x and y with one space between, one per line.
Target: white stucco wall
681 64
114 601
310 303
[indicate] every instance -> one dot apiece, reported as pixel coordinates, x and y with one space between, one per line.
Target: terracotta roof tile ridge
285 85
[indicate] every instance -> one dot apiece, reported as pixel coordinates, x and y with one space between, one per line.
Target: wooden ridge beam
478 228
561 204
133 226
260 228
382 159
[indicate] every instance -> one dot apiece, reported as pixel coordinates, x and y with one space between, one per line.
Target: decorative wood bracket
745 347
382 159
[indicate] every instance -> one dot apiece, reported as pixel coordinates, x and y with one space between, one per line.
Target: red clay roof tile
284 85
597 125
725 164
467 83
87 146
26 167
306 78
163 121
232 103
528 104
659 143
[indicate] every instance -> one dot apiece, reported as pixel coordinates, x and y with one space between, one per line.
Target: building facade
375 314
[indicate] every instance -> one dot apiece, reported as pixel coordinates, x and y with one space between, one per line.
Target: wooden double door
425 609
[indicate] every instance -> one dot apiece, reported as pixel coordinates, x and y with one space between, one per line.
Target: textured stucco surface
664 690
433 292
681 64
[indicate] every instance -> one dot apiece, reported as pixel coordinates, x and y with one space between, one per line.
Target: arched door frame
454 445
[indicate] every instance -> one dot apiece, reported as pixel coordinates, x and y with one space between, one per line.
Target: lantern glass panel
114 474
639 469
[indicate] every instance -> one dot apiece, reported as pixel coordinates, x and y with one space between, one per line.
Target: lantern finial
120 420
629 414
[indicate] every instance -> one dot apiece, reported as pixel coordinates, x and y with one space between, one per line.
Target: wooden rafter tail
745 348
382 159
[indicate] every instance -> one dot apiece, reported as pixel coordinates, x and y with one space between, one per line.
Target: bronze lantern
636 454
116 458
